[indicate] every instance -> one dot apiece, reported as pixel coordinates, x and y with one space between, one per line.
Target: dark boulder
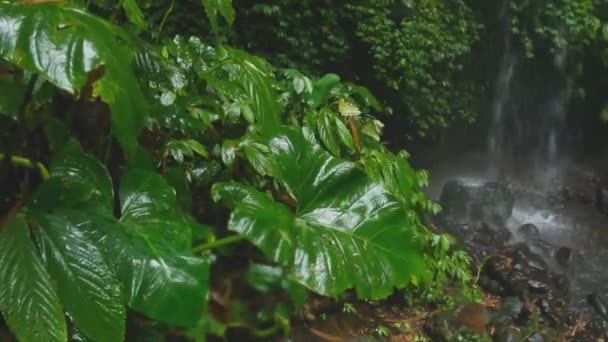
508 334
601 199
598 304
564 256
528 231
536 337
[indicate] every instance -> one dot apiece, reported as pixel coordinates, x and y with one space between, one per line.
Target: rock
538 286
528 231
564 256
508 334
601 199
598 304
470 201
490 236
511 306
536 337
596 329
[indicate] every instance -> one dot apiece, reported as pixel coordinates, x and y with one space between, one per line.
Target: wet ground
558 198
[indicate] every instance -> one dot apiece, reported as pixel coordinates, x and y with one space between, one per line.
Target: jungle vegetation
152 152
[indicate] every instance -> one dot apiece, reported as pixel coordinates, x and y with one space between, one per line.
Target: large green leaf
28 302
88 288
347 231
76 178
148 248
224 7
64 44
149 207
158 281
235 71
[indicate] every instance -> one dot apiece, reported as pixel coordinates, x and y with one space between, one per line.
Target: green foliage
543 27
420 49
68 47
416 52
345 231
27 300
296 161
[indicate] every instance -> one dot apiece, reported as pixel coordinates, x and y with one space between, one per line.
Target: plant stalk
218 243
162 23
355 134
27 163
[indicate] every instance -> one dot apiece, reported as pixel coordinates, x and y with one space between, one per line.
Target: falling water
502 96
527 123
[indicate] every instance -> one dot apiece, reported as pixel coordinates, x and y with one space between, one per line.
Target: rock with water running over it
564 256
476 201
528 231
601 199
598 304
536 337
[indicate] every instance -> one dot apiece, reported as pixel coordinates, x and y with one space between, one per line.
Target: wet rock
598 304
508 334
564 256
490 236
511 307
536 337
528 231
469 201
597 328
537 286
519 271
601 199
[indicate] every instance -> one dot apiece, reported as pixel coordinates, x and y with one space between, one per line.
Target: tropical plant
124 143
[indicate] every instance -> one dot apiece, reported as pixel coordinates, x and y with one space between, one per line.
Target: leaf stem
218 243
267 332
162 23
27 163
355 134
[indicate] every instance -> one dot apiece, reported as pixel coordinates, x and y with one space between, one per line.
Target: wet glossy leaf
12 96
87 286
236 71
257 154
224 7
158 281
75 178
148 206
148 248
134 13
322 89
64 44
327 132
347 230
27 301
344 133
177 178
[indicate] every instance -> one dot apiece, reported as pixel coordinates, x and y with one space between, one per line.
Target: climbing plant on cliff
415 53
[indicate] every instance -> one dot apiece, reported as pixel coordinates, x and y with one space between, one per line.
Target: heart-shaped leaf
347 231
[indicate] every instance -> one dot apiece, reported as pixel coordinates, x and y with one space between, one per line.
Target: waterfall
502 96
528 110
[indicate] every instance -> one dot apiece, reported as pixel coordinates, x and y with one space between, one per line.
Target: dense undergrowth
140 173
157 180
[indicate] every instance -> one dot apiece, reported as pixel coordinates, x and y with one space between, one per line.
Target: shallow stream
558 200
